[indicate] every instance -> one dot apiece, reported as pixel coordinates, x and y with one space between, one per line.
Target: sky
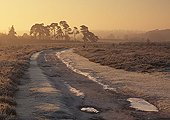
97 14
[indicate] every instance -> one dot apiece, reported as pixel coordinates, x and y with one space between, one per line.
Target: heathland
135 57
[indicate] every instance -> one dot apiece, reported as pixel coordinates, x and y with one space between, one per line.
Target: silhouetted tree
35 30
40 31
53 27
88 36
46 31
60 33
66 29
12 32
75 32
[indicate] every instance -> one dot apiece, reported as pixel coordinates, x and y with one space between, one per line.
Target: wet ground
52 91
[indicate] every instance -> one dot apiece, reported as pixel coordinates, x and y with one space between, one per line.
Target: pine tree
12 32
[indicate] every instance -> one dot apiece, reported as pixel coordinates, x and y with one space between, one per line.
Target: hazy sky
97 14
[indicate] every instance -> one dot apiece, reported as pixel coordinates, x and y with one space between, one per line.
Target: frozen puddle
35 56
137 103
141 104
70 64
89 110
73 90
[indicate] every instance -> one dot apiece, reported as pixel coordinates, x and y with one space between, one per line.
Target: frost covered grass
137 57
14 60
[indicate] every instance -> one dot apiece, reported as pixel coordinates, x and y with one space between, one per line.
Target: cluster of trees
55 31
60 31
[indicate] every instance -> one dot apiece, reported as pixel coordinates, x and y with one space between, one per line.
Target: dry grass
15 54
138 57
14 60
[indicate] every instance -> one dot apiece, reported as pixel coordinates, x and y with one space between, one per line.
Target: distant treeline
54 31
154 35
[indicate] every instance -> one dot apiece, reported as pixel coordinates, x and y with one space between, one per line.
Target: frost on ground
135 84
73 90
141 104
38 98
89 109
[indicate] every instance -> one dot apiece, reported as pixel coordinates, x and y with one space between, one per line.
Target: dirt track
50 90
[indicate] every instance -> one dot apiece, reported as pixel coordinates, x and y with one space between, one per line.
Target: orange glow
97 14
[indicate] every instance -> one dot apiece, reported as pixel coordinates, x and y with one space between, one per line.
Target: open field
85 60
153 86
14 60
15 56
142 58
137 57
